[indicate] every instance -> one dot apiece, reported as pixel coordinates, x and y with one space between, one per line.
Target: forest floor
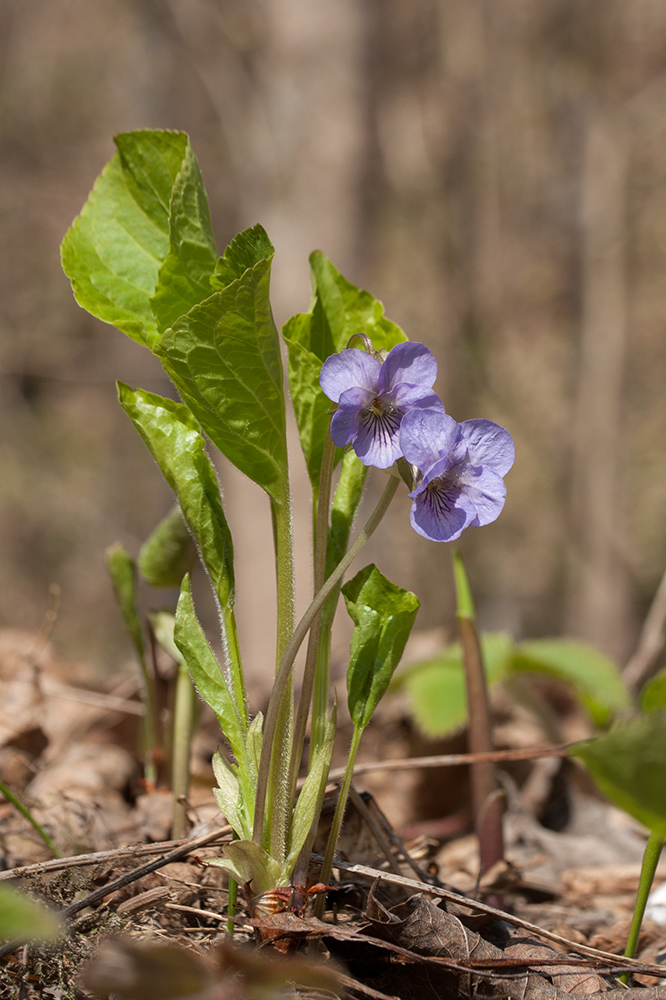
145 918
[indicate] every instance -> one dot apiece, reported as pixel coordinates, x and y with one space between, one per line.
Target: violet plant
142 257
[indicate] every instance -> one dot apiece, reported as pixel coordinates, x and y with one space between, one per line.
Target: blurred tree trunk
599 596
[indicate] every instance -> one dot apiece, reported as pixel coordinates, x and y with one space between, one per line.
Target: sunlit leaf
175 441
224 358
185 276
206 672
115 250
245 250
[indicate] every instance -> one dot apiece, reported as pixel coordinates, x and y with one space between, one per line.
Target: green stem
233 897
122 570
345 503
183 726
338 816
651 857
487 803
311 658
284 673
234 663
9 795
274 836
150 743
284 565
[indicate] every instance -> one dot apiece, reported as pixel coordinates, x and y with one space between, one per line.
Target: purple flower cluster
388 410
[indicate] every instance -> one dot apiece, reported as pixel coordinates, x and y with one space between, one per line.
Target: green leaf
309 802
628 763
224 358
122 571
229 797
383 615
206 672
343 509
175 441
237 783
22 918
115 249
349 310
245 861
653 693
168 553
436 688
185 275
245 250
163 623
596 681
338 311
253 741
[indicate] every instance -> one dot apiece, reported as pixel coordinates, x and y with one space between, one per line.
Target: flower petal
377 441
347 369
441 514
429 435
489 445
408 362
406 397
485 490
345 422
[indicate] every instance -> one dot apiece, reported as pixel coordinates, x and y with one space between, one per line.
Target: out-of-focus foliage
495 173
436 687
628 764
23 918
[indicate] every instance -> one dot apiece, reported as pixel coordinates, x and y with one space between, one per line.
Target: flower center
382 419
437 494
378 408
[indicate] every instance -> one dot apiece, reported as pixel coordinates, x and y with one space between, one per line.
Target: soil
408 916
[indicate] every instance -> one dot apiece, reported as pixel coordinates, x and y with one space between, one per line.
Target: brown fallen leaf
131 971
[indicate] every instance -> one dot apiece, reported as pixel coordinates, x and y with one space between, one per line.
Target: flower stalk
286 666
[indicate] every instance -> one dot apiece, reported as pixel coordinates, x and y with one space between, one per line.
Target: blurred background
495 173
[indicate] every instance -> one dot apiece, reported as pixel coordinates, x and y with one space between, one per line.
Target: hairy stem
234 663
284 566
338 816
312 655
287 663
274 836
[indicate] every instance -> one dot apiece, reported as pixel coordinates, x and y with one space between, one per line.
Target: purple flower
373 396
462 466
